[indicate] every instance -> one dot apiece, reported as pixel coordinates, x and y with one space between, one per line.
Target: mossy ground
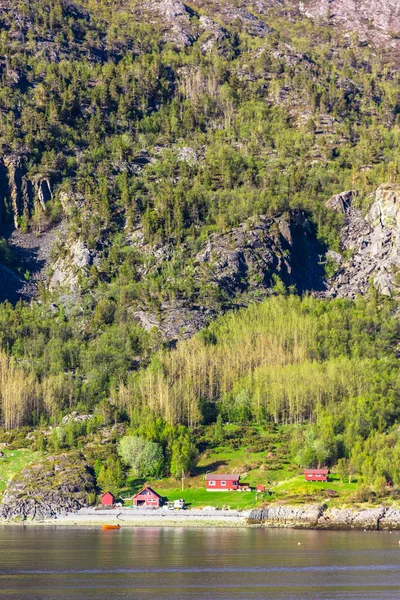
13 462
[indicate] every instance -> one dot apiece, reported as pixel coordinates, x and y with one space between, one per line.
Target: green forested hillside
156 133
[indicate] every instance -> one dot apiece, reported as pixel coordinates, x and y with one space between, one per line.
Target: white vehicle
179 504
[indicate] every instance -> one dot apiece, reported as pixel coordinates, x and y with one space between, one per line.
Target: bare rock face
50 488
242 13
375 20
302 516
247 258
75 263
173 16
374 243
179 27
22 194
213 34
233 269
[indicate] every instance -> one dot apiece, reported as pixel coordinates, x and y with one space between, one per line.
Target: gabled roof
316 471
107 494
222 477
149 489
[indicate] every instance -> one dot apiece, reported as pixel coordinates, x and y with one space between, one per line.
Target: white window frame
223 483
211 483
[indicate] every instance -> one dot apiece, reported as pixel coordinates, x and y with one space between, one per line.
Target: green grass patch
13 462
297 486
199 498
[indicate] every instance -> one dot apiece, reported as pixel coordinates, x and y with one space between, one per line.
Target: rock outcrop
247 258
320 516
75 263
377 21
234 268
373 243
52 487
22 194
301 516
179 27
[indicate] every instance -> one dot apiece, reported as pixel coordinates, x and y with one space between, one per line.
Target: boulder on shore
50 488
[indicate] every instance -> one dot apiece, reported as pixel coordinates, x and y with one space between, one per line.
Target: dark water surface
38 563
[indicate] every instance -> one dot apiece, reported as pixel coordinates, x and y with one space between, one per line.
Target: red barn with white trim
147 497
222 483
316 474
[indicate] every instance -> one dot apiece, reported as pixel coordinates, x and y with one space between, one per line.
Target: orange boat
107 527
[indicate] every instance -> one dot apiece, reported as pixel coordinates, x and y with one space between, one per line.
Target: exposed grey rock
350 518
341 202
239 266
246 259
188 155
212 33
277 515
174 18
52 487
74 263
373 20
374 242
391 519
320 516
334 256
20 192
75 417
177 320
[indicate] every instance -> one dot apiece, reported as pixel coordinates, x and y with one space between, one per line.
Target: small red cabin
260 489
107 499
147 497
316 474
222 483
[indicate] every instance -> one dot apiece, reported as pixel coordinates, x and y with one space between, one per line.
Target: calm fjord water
38 563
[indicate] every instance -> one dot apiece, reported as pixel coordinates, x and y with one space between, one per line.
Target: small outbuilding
316 474
147 497
222 483
260 489
107 499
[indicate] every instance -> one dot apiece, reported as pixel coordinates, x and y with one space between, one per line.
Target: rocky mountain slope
371 242
164 162
377 21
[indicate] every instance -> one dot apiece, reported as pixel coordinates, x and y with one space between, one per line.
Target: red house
147 497
107 499
316 474
222 483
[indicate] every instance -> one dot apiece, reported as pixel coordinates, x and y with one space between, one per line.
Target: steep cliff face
240 266
372 242
20 194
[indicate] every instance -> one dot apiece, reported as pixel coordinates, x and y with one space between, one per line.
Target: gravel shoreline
307 516
145 518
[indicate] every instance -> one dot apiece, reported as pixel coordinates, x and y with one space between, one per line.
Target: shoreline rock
321 517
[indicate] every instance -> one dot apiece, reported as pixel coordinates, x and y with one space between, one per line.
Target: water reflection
64 564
